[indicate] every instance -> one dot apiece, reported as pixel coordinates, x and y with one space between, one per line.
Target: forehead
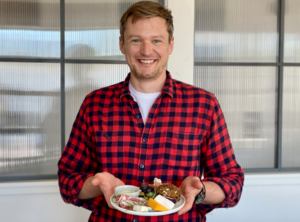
151 24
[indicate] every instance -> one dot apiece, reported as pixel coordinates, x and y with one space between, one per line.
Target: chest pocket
181 151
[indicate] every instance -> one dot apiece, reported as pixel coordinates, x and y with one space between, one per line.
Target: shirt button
144 140
105 135
142 166
137 116
135 220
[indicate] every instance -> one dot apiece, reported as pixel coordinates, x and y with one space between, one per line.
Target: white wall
266 197
273 197
37 201
181 61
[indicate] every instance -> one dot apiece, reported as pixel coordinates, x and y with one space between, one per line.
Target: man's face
146 47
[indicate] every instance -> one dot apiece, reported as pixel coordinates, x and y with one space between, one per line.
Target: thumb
98 179
196 183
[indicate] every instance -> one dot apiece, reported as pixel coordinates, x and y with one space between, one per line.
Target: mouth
146 61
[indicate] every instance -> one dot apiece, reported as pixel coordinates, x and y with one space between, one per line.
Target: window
52 54
248 54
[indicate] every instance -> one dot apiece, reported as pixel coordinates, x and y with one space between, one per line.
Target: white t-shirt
144 100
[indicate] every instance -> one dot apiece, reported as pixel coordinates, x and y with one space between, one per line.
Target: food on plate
153 197
144 186
164 202
128 203
127 191
148 191
142 208
169 190
156 182
155 205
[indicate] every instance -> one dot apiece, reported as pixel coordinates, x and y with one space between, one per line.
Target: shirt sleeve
219 164
77 163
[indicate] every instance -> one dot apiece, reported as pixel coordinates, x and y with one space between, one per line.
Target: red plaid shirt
185 134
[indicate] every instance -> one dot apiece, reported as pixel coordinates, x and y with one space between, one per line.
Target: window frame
62 61
280 64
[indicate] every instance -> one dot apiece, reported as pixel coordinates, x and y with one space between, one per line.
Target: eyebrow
138 36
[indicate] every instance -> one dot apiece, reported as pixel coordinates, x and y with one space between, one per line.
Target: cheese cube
141 208
164 202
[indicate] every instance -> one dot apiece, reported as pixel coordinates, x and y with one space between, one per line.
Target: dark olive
144 186
150 189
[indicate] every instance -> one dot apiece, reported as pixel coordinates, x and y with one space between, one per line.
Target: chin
139 75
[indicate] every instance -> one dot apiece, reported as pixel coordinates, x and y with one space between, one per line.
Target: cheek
132 51
163 52
164 55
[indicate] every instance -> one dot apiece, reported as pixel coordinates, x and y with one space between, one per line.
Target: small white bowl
127 190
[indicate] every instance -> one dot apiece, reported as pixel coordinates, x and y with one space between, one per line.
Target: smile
146 61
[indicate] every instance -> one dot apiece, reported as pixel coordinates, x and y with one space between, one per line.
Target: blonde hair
147 9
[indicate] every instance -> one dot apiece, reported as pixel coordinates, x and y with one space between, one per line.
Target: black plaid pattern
185 134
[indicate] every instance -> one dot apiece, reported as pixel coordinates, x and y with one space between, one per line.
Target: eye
135 40
156 41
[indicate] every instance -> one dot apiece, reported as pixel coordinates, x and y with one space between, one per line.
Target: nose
146 48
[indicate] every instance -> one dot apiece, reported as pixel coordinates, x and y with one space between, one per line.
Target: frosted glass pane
247 96
292 31
29 119
291 118
82 79
30 28
236 30
92 28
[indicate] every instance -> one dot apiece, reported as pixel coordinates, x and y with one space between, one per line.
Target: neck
148 85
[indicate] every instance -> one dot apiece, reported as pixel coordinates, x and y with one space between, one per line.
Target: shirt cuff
223 184
206 208
90 204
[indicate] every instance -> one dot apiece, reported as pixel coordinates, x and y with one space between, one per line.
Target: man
149 126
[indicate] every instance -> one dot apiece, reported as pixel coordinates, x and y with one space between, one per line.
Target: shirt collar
167 88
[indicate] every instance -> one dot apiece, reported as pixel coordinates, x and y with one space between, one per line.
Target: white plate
176 208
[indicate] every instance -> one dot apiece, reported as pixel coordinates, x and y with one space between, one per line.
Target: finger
192 184
196 184
109 203
183 211
98 179
187 206
111 206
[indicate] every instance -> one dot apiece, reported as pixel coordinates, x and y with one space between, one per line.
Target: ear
171 46
121 45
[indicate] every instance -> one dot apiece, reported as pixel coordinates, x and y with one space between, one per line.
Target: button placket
143 157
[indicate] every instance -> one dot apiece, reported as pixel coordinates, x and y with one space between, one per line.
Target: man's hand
107 183
190 188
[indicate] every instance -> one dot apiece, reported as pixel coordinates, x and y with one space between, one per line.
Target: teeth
147 61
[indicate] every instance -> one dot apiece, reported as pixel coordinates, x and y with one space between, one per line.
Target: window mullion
280 82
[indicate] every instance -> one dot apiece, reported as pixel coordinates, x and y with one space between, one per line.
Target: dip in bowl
127 190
